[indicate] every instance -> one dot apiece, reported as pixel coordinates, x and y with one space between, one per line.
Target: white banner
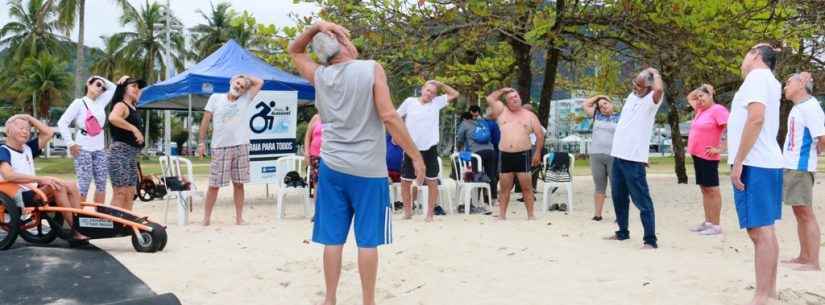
273 118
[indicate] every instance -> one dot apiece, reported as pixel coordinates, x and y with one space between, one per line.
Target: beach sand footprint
799 297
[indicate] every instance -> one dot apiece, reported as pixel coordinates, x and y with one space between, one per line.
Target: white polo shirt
806 122
631 141
422 120
760 86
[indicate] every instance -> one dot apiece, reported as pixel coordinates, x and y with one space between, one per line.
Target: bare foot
500 218
760 300
327 303
531 217
792 261
806 267
205 222
407 217
240 222
429 219
80 237
611 237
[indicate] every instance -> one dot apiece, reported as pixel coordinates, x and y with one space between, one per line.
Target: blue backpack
481 134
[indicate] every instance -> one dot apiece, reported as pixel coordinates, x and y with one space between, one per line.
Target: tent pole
167 132
189 124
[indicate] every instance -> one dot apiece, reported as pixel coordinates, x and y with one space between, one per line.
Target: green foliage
46 78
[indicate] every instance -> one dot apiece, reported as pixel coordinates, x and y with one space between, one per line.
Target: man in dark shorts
517 156
421 116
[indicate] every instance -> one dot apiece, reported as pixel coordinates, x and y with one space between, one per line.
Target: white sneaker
712 230
701 227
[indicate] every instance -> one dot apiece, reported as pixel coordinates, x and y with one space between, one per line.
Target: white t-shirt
422 120
805 123
21 162
631 141
760 86
229 120
76 112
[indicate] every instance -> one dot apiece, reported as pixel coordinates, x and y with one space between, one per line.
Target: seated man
17 166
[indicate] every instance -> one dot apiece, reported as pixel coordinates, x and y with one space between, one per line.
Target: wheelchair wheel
9 221
37 229
145 195
151 241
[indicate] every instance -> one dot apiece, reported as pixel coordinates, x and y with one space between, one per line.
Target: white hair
326 47
13 118
807 84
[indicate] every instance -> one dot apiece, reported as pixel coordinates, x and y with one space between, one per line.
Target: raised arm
452 94
494 100
590 105
298 48
44 132
691 99
255 85
396 128
658 85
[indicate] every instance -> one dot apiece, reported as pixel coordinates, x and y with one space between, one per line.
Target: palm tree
45 78
112 61
146 43
214 33
69 12
31 30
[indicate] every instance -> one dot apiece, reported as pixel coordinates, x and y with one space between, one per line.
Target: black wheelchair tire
153 241
39 237
9 221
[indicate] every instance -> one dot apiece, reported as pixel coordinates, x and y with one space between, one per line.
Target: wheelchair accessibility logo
270 119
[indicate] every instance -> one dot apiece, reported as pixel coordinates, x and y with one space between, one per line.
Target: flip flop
563 207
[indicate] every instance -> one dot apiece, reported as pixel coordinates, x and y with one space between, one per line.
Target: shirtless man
516 125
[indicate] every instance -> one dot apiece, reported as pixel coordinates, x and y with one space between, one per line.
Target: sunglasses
99 85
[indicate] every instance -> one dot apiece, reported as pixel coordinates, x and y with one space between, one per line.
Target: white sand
559 259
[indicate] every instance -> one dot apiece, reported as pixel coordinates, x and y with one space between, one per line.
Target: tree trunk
78 66
551 64
148 67
678 144
784 112
524 73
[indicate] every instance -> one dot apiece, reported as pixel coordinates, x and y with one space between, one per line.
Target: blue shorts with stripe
342 198
760 204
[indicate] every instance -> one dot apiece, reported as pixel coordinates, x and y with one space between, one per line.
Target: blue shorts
340 197
760 204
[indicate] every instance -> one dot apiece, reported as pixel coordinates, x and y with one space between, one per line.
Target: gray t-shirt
354 140
603 129
465 137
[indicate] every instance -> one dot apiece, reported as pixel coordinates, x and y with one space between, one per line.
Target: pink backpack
92 125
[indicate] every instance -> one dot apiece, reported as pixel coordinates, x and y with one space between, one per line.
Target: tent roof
212 75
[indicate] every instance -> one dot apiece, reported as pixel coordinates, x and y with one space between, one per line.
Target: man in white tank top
353 99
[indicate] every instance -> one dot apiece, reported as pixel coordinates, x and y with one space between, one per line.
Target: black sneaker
440 211
398 205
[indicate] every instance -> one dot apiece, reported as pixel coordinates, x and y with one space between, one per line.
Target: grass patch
65 166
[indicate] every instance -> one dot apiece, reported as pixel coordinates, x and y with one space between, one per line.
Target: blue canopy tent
212 75
190 90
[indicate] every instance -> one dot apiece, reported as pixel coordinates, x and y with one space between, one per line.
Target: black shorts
430 161
707 171
29 199
518 162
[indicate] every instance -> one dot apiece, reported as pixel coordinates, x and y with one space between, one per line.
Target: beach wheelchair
42 222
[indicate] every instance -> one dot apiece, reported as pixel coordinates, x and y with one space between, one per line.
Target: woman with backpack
600 109
87 147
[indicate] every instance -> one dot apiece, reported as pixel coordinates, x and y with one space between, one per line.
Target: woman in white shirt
87 147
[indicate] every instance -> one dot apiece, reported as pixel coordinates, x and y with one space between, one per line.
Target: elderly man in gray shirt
353 99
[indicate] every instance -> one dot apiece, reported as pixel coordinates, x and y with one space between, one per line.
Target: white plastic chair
283 166
548 185
466 190
444 194
170 166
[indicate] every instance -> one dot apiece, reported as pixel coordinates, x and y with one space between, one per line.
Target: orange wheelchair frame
42 224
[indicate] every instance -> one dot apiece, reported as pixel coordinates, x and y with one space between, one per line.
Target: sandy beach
559 259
